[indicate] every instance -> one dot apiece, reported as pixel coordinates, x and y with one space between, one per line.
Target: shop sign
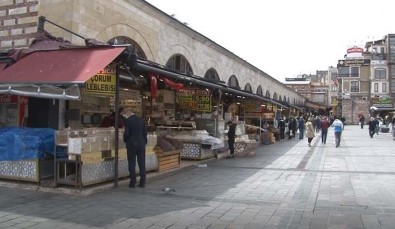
194 99
7 98
334 101
353 62
252 107
103 83
383 101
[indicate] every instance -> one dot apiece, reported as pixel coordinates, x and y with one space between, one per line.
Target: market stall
90 156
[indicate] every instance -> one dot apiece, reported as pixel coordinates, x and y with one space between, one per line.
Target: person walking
301 127
372 127
324 129
231 137
377 125
135 137
281 127
310 131
338 128
292 127
362 121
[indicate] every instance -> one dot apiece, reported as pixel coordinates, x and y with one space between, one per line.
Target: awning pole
116 126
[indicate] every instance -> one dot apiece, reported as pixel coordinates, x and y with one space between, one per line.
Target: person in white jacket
338 128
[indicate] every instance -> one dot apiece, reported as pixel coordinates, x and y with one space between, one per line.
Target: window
376 87
344 72
380 73
354 71
179 63
122 40
212 75
333 88
354 86
333 76
384 87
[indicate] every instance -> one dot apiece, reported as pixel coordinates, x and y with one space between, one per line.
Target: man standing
281 127
231 137
135 137
338 128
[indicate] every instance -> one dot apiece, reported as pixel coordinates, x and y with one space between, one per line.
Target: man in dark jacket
231 137
135 137
281 127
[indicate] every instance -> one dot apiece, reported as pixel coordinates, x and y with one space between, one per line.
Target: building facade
158 37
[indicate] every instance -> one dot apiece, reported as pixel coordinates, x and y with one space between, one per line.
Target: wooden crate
168 160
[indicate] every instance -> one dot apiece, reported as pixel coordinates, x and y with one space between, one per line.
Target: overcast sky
286 38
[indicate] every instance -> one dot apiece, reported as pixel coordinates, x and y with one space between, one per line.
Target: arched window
285 99
248 88
233 82
122 40
179 63
267 94
259 91
280 98
211 74
289 100
275 96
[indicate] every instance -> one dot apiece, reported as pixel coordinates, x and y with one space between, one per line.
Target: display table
245 148
27 170
196 150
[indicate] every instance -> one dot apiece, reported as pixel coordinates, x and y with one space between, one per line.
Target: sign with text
252 106
383 102
103 83
194 99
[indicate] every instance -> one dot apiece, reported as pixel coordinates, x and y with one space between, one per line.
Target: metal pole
116 126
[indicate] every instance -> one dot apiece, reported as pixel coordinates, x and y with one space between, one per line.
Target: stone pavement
285 185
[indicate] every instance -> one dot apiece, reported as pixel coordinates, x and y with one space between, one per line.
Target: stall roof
2 66
62 66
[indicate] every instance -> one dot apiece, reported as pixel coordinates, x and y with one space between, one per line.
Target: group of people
309 126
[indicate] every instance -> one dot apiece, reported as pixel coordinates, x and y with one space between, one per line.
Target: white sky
286 38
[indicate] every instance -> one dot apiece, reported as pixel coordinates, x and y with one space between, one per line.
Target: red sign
6 98
355 49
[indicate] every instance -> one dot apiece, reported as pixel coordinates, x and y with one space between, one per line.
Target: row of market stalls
55 96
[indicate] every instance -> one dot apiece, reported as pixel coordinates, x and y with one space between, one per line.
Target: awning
63 66
2 66
42 91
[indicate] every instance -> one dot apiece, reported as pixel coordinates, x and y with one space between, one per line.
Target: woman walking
309 131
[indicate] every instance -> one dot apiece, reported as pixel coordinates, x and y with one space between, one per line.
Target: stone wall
18 23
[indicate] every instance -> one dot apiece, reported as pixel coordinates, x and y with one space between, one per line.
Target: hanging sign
194 99
103 83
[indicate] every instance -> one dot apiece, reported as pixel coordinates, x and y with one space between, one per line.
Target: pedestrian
231 137
135 137
310 130
362 120
281 127
301 127
292 127
324 129
338 128
317 124
372 127
377 126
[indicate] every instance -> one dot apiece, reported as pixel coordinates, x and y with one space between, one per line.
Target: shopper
372 127
338 128
324 129
135 137
231 137
281 127
362 121
310 131
301 127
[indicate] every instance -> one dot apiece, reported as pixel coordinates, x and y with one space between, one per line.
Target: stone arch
122 30
248 87
212 74
134 47
233 82
170 51
259 90
275 95
179 63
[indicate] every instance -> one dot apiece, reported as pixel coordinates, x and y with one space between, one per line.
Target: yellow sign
102 83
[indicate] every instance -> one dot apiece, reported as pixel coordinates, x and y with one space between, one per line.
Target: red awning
63 66
2 66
